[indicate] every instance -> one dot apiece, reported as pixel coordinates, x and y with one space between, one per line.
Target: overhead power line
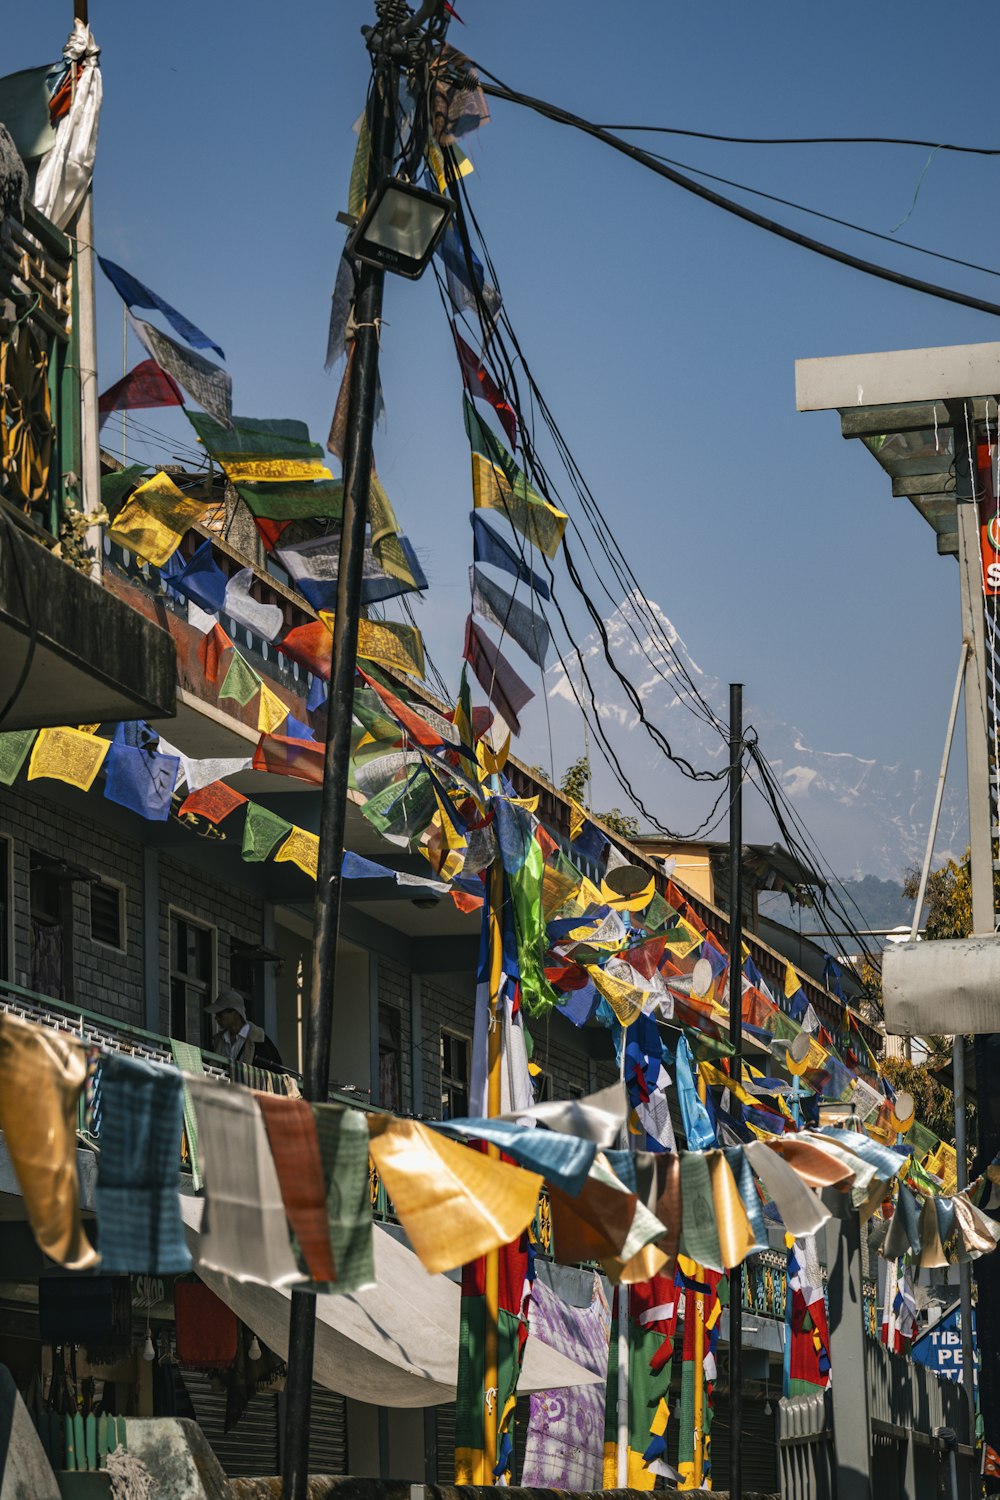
499 90
807 140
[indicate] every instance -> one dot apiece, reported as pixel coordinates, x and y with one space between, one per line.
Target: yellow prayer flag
792 982
271 712
736 1238
274 470
577 818
398 646
67 755
154 518
454 1203
524 508
302 849
682 938
625 999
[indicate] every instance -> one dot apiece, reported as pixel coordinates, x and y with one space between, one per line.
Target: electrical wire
806 140
499 90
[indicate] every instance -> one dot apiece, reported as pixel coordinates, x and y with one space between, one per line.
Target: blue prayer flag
139 779
202 580
134 294
489 547
294 730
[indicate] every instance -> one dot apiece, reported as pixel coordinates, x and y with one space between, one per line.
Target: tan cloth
42 1073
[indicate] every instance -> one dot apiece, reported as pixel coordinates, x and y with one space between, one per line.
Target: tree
948 902
624 824
576 779
934 1100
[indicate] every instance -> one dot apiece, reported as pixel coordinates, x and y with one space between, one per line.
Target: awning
395 1345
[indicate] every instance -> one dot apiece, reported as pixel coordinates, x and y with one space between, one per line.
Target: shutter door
522 1416
444 1428
251 1447
758 1445
327 1432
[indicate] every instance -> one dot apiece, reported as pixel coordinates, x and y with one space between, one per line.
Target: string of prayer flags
134 294
479 382
42 1074
707 1286
155 517
466 288
314 566
67 755
253 614
498 484
515 619
489 547
453 1203
241 683
202 580
145 386
214 645
214 802
796 999
205 382
262 832
498 680
14 748
300 848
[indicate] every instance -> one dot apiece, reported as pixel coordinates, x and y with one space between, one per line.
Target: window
454 1076
192 979
50 915
6 908
541 1082
107 914
390 1058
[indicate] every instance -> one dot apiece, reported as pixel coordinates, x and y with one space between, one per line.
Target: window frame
448 1079
8 970
121 888
180 914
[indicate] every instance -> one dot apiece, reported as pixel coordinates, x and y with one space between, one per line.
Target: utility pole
736 1064
977 753
90 442
340 709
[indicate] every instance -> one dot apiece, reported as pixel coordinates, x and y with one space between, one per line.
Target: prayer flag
14 747
478 382
515 619
563 1447
144 386
512 1331
270 531
298 731
311 646
285 755
253 614
652 1319
242 682
140 779
498 484
202 580
314 567
248 438
343 1146
341 307
466 289
807 1367
294 1142
205 382
134 294
489 547
67 755
271 711
214 645
214 802
300 848
397 646
115 486
262 831
294 501
499 681
154 518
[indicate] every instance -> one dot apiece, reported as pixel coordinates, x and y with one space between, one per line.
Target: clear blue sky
663 332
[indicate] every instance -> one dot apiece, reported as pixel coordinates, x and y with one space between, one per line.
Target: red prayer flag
478 382
417 728
311 646
283 756
214 802
270 531
291 1134
495 676
465 901
146 385
215 643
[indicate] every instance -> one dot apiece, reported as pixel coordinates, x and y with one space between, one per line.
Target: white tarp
395 1345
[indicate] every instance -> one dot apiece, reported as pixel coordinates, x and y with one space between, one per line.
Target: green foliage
624 824
576 779
948 902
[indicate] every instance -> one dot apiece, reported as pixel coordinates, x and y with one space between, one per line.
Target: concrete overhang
93 659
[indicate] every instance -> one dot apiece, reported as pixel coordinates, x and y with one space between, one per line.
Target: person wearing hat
234 1036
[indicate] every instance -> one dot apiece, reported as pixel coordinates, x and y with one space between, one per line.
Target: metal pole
491 1362
736 1064
977 752
623 1335
340 708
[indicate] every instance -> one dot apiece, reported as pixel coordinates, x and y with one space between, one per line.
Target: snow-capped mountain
865 817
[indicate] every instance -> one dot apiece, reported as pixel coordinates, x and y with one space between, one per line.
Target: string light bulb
254 1351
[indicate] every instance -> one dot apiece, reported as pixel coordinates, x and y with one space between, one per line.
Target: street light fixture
400 228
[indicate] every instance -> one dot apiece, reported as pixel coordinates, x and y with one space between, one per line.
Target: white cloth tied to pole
244 1229
67 169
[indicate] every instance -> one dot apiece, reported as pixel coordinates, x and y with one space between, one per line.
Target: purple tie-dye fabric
565 1442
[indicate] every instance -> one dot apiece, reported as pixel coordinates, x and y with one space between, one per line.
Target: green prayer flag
699 1234
242 682
357 190
188 1058
343 1149
262 832
921 1139
114 487
14 747
254 437
498 484
294 499
404 808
